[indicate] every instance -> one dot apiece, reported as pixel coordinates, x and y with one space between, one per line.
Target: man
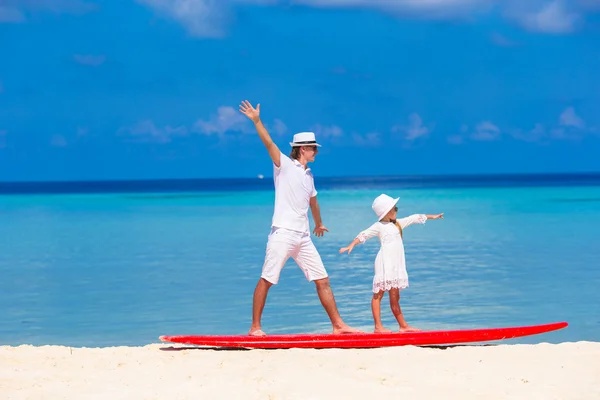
290 235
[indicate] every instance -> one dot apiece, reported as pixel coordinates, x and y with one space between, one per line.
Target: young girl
390 268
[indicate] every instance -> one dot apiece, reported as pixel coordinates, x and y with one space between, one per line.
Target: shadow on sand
438 347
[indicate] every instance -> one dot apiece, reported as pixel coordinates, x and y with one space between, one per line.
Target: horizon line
264 177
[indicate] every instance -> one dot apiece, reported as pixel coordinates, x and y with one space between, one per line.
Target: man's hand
249 111
320 230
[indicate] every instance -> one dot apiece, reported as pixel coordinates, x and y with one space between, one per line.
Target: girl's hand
346 249
438 216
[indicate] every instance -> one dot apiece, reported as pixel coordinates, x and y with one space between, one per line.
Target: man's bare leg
328 301
258 304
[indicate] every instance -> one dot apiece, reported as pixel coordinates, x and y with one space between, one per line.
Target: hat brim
389 209
304 144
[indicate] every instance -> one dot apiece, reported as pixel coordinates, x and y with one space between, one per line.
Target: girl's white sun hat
383 204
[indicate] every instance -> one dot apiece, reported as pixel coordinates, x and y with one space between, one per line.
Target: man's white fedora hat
304 139
383 204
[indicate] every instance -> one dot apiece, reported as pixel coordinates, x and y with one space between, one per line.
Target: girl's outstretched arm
418 219
362 237
350 246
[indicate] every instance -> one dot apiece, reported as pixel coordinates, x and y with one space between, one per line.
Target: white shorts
283 244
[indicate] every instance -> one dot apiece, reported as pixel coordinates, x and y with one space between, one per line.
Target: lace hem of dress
390 284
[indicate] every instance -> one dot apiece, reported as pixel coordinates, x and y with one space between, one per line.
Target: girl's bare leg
376 308
397 311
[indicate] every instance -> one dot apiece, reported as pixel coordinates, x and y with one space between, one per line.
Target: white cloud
210 18
570 126
423 8
415 128
486 131
369 139
278 128
547 16
569 118
227 119
147 131
327 132
334 134
536 134
203 18
552 17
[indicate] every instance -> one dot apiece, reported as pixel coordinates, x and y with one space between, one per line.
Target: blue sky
138 89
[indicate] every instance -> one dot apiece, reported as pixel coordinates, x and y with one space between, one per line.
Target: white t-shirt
294 186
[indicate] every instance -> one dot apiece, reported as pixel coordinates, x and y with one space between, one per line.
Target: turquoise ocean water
121 264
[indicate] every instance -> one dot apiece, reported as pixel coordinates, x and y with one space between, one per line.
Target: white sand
543 371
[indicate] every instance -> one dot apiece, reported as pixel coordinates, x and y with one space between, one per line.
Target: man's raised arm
254 114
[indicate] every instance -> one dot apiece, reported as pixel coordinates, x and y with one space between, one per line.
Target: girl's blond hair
399 227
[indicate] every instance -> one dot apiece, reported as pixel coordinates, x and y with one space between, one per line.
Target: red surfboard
364 340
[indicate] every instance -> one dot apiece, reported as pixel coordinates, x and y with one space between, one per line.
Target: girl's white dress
390 263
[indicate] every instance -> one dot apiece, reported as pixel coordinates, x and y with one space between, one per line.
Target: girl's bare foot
382 330
256 332
345 329
409 328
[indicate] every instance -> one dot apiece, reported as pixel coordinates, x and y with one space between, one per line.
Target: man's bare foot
382 330
256 332
345 330
409 329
